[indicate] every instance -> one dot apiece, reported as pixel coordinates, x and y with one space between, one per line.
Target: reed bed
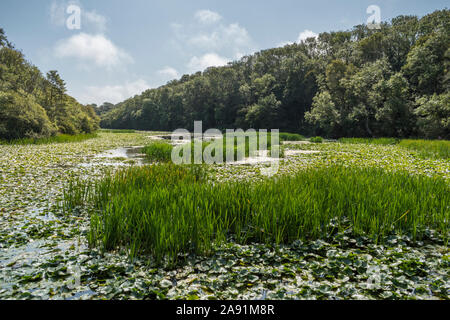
168 210
158 151
377 141
60 138
428 148
118 131
435 149
316 140
285 136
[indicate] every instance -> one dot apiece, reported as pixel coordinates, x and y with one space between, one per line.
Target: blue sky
124 47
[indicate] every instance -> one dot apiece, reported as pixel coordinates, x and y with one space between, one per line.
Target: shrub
158 151
22 117
284 136
316 140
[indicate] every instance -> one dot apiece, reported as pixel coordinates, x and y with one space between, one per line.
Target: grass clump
435 149
118 131
60 138
377 141
316 140
167 210
284 136
158 151
428 148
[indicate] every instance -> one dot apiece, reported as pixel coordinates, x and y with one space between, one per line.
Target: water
117 157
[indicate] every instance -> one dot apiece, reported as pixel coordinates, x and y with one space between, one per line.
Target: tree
26 93
358 82
396 115
22 117
434 116
264 114
426 63
324 114
362 97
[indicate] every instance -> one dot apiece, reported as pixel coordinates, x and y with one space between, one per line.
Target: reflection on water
123 156
127 153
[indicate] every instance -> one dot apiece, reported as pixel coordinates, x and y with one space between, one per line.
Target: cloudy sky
121 48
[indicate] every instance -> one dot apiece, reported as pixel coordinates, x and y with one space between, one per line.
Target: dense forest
370 83
34 106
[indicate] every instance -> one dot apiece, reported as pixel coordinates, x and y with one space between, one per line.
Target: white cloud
301 37
169 72
207 16
305 35
206 61
57 13
94 19
113 93
231 37
283 44
95 49
211 45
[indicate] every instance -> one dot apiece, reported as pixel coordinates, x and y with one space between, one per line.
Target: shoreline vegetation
60 138
36 107
424 148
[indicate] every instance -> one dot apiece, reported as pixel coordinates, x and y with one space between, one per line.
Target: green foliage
285 136
118 131
351 83
35 106
21 116
395 114
434 149
60 138
324 113
379 141
434 116
158 151
428 148
316 140
168 210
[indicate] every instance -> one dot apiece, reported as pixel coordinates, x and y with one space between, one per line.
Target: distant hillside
388 82
34 106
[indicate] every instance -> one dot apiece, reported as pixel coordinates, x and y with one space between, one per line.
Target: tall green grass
316 140
428 148
378 141
285 136
61 138
168 210
437 149
158 151
118 131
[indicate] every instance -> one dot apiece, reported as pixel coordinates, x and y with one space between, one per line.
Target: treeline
368 83
34 106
